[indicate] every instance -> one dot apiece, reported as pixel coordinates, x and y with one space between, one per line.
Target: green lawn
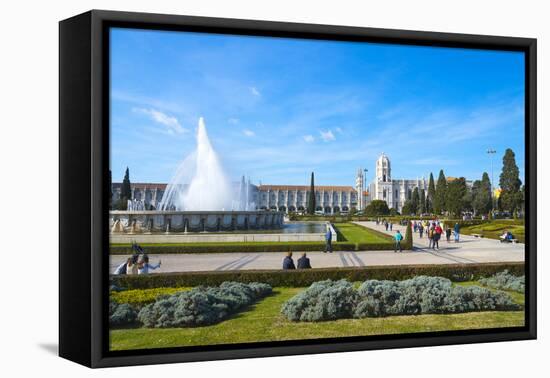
496 228
263 322
354 233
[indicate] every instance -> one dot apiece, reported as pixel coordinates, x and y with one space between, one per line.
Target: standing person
398 237
457 232
420 230
386 224
123 268
303 262
430 236
328 240
391 226
448 232
144 267
132 267
288 263
438 231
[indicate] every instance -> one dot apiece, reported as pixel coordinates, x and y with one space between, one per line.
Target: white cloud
248 133
339 130
171 123
327 136
309 138
255 91
233 121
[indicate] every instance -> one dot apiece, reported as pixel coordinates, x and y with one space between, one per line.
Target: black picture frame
83 166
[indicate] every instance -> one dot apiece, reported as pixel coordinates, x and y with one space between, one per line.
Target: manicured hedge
330 300
201 305
122 314
301 278
505 281
249 247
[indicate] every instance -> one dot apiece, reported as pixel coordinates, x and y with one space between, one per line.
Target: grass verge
263 322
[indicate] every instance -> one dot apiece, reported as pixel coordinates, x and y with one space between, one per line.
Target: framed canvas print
235 188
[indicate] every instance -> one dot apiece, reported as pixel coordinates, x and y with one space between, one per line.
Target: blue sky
277 109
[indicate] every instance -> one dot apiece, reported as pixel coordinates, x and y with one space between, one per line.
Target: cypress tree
455 194
510 184
431 194
311 198
422 208
415 201
440 194
482 199
126 190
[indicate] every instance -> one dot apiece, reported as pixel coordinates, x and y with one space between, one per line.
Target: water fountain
199 198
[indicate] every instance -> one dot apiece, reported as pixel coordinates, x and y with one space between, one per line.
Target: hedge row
302 278
201 305
249 247
330 300
505 281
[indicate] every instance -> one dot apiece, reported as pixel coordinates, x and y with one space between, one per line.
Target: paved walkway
468 250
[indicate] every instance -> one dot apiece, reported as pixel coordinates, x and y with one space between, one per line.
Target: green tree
311 196
407 208
510 184
482 200
415 201
377 207
440 194
408 241
455 194
431 194
125 191
422 208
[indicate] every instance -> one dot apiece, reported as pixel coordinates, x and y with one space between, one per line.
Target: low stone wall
138 222
213 238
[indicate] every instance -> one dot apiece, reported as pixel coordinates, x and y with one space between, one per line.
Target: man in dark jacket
328 239
288 263
303 262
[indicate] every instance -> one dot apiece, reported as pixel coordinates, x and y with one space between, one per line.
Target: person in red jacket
437 235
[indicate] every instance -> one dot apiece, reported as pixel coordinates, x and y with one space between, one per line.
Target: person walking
430 236
457 232
398 237
386 224
391 226
328 240
420 230
437 235
288 263
303 262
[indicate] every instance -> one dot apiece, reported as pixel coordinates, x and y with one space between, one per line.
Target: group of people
303 262
137 264
387 224
434 229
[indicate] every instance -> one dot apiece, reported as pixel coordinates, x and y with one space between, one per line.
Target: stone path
468 250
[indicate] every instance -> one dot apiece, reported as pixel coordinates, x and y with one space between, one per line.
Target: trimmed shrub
121 314
201 305
505 281
250 247
305 277
426 295
408 241
324 300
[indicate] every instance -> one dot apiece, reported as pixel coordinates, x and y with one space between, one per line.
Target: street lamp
491 152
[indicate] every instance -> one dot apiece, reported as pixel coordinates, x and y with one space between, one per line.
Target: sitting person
303 262
144 267
288 263
507 237
123 268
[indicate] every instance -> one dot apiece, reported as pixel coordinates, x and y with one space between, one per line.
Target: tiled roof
140 185
306 187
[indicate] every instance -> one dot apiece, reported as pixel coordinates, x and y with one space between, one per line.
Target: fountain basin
138 222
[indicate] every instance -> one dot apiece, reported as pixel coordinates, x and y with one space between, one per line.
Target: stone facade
291 198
